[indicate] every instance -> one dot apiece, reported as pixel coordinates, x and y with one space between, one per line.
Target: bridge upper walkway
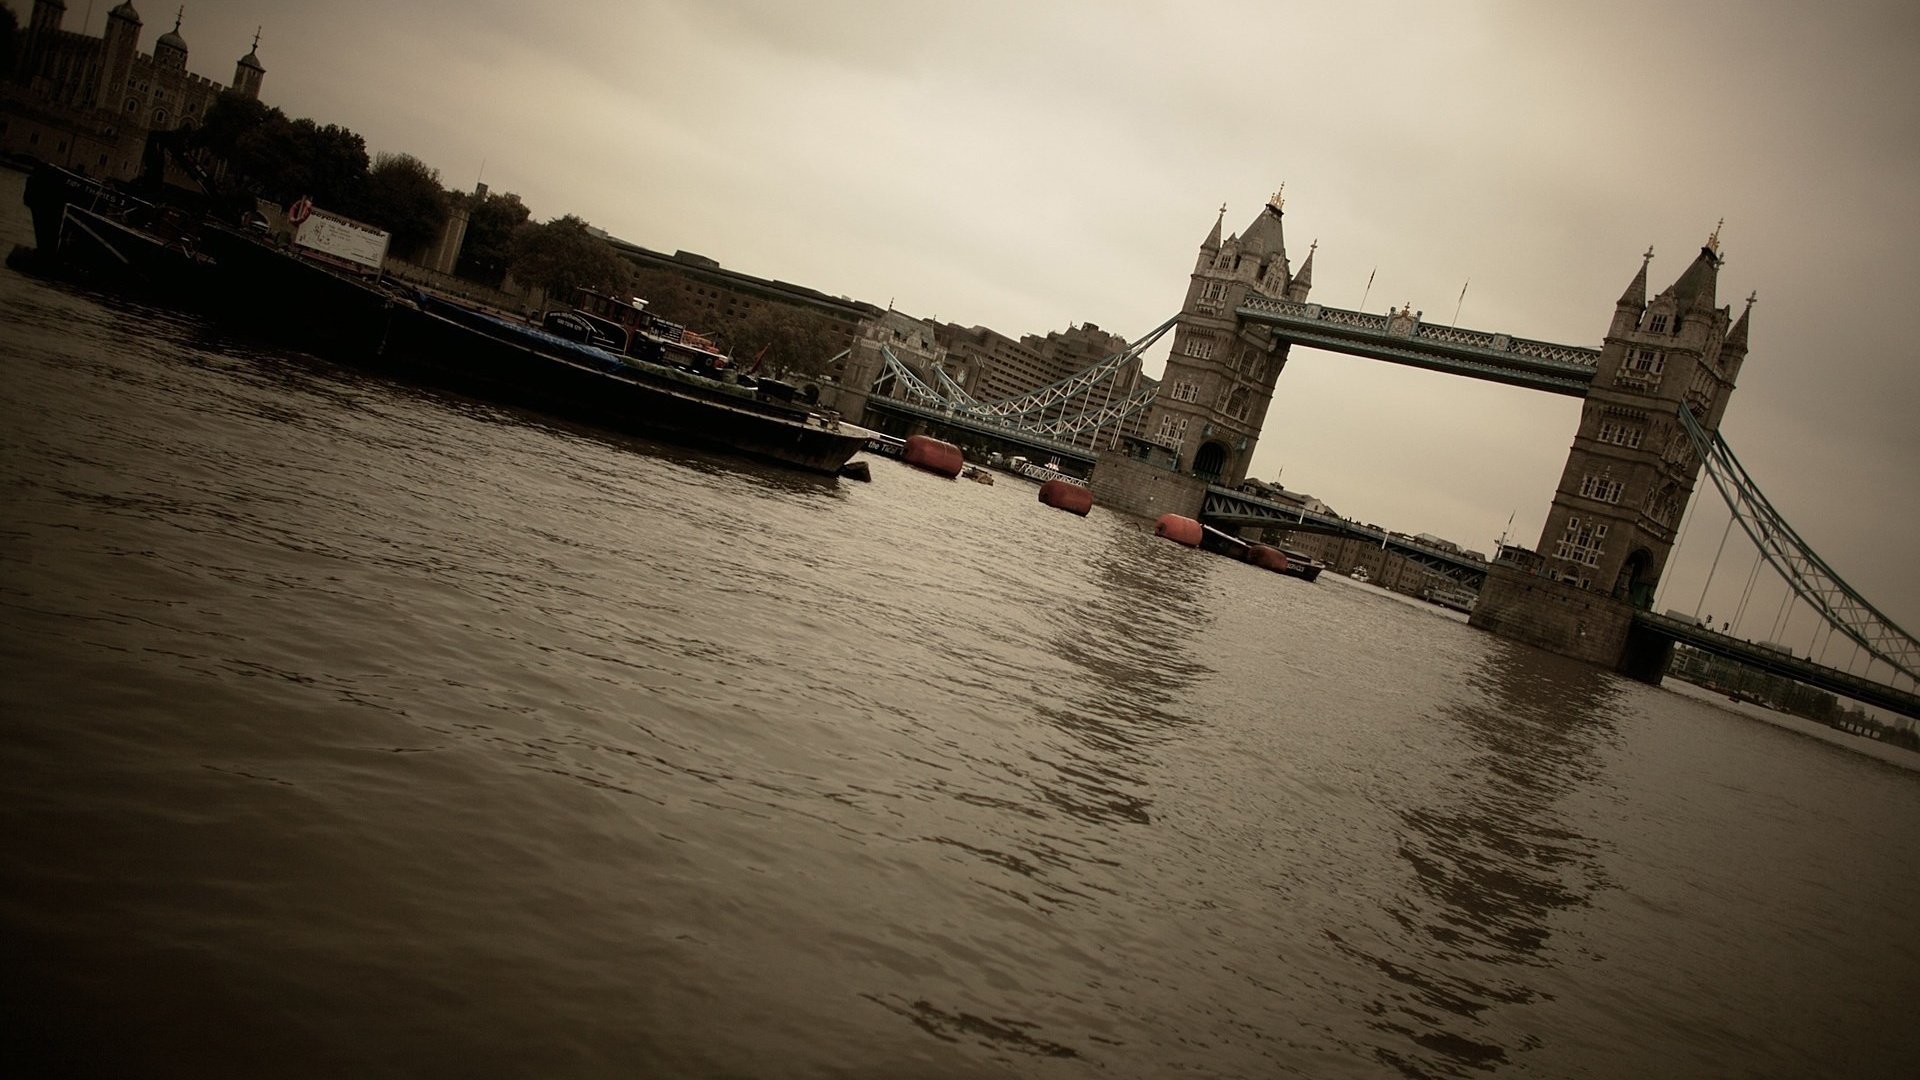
1402 338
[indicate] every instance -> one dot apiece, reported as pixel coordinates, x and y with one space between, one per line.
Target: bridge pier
1145 488
1563 618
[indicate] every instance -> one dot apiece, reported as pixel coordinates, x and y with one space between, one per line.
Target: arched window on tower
1238 403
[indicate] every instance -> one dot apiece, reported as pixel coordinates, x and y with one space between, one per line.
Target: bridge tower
1629 475
1205 422
1220 373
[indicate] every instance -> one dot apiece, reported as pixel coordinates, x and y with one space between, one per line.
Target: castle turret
248 72
42 27
170 49
47 15
121 41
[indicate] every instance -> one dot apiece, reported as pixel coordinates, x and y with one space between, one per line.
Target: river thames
355 729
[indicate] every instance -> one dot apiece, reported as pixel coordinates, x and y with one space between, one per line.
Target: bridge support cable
1048 412
1037 402
1804 571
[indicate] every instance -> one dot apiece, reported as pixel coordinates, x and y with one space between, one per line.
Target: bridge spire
1737 337
1303 281
1694 289
1212 243
1636 295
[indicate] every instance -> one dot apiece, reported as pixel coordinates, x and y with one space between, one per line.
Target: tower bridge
1653 396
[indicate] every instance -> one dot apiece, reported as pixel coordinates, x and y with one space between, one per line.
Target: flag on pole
1462 300
1369 289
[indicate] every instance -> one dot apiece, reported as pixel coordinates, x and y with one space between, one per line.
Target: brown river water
350 728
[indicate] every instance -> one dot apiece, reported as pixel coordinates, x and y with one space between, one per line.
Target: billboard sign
341 238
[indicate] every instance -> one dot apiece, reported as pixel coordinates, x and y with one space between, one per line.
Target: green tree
488 248
281 159
563 255
789 340
402 195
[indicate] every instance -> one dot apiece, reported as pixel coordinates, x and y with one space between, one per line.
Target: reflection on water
1494 859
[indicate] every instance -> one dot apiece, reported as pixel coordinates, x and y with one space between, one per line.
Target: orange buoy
1269 558
933 455
1062 495
1180 530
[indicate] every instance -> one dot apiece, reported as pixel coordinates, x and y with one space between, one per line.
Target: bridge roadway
1783 664
1226 508
1401 338
1040 449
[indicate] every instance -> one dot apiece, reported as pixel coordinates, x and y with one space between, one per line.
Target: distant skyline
1026 166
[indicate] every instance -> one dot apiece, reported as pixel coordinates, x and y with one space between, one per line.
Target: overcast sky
1028 165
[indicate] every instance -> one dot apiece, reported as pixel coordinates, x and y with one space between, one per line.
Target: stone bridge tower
1220 374
1629 475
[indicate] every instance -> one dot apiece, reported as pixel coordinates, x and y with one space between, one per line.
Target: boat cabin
626 327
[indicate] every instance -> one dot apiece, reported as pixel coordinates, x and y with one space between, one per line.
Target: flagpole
1457 303
1363 296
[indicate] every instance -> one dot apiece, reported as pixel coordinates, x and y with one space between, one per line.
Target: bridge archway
1637 579
1209 460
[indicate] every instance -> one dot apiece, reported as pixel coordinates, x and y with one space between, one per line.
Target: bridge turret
1210 247
1303 281
1632 305
1734 349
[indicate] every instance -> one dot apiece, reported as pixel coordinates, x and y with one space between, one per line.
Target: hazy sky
1030 165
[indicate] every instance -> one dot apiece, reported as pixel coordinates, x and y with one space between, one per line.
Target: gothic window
1173 429
1200 348
1185 391
1212 295
1658 325
1238 403
1620 434
1662 503
1603 488
133 104
1582 542
159 117
1642 368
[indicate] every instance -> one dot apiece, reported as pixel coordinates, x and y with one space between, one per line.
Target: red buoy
933 455
1269 558
1063 495
1180 530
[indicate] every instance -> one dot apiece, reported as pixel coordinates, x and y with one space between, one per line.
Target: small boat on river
1455 597
1302 566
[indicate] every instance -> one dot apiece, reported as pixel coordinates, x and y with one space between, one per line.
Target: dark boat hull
362 323
615 396
98 248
